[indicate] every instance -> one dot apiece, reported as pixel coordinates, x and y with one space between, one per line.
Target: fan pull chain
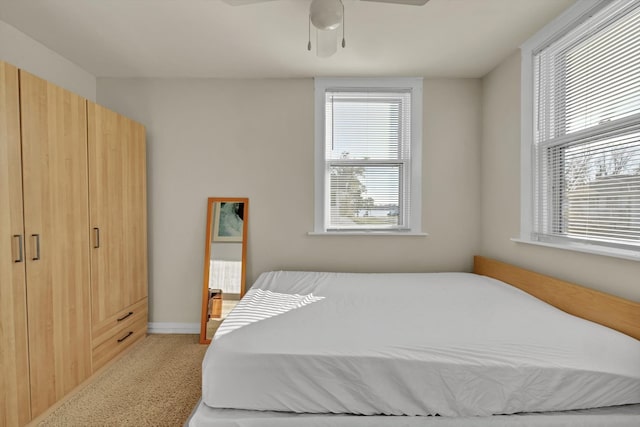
309 44
343 42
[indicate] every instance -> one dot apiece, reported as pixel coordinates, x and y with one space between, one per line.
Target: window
368 153
582 130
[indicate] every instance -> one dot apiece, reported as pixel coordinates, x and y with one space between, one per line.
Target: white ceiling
209 38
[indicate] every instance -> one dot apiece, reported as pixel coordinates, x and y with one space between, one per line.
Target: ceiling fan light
326 14
326 43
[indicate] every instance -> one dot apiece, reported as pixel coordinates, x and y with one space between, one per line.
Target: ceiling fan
327 16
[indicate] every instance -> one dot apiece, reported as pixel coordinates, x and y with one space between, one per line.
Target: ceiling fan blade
406 2
243 2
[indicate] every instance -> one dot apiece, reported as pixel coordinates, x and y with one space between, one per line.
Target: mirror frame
211 201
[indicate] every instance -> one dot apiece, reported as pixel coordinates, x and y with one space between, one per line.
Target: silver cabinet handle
37 257
20 248
97 231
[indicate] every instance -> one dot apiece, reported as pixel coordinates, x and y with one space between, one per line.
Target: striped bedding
258 305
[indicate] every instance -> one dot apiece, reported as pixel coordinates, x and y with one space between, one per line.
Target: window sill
585 248
367 233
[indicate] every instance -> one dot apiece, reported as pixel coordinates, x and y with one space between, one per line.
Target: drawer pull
125 316
126 336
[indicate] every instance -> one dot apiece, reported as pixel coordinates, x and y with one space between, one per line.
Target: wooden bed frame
608 310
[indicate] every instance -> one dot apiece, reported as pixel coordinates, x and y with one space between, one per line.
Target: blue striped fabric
258 304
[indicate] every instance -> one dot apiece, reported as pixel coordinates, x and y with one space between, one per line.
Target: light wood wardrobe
73 254
118 212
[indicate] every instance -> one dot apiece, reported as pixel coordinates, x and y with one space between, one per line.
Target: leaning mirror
225 255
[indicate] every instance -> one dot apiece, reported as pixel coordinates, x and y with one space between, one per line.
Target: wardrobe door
14 358
54 154
118 216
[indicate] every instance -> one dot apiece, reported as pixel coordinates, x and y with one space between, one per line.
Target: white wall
254 138
24 52
501 197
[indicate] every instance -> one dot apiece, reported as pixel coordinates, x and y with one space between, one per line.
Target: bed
310 348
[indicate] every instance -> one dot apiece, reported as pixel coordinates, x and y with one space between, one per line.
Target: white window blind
368 159
586 144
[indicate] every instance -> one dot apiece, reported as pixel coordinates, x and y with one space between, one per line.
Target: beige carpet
157 383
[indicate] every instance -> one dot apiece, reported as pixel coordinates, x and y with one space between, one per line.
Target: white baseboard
173 328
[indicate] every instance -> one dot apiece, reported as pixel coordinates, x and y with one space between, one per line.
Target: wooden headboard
608 310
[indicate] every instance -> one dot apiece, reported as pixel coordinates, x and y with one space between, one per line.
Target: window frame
572 17
322 199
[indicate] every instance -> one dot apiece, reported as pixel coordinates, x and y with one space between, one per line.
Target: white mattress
452 344
613 416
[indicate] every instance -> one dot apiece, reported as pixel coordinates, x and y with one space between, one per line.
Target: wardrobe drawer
118 322
118 342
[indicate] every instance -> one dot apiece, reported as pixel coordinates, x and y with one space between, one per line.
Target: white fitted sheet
453 344
613 416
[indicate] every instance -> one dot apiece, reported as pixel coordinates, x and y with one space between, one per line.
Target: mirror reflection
225 261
